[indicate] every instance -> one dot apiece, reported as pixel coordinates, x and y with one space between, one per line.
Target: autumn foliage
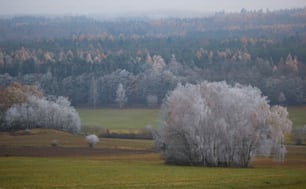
24 107
16 93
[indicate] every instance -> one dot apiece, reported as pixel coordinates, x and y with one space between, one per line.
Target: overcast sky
117 7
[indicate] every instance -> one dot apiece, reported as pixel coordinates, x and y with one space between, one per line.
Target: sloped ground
37 143
117 163
27 151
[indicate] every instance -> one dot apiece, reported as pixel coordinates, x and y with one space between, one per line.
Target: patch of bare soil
65 151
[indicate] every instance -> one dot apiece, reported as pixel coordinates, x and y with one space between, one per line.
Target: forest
87 59
93 102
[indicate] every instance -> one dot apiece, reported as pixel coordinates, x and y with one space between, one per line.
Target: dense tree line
64 57
37 28
150 86
86 59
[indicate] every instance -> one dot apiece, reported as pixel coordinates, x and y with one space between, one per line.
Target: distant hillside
271 23
86 59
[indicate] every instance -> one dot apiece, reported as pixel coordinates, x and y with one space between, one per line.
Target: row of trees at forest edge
24 107
215 124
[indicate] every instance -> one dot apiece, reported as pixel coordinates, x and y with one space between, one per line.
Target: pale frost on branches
39 112
215 124
121 98
92 140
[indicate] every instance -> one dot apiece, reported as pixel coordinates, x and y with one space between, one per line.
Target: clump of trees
36 111
216 124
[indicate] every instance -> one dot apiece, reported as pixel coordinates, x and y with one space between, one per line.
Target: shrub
92 140
54 143
298 135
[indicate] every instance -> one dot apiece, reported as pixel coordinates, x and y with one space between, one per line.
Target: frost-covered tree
121 98
92 140
158 63
215 124
152 100
281 98
93 92
38 112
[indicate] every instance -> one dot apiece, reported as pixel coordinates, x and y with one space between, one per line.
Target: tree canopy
216 124
24 107
85 58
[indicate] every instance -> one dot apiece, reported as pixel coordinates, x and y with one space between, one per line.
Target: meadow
136 119
133 123
141 171
123 122
139 168
119 118
123 163
297 114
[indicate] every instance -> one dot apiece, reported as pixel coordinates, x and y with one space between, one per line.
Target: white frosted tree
39 112
19 116
281 98
215 124
92 140
152 100
93 92
280 124
121 98
158 63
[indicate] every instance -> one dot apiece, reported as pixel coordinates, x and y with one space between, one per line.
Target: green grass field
119 118
297 115
135 170
145 171
138 118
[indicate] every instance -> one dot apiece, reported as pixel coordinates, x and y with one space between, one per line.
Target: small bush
92 140
298 135
54 143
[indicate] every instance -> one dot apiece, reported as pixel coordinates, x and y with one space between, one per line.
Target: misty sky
134 6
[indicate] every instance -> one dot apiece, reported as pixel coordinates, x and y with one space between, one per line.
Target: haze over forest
70 48
115 8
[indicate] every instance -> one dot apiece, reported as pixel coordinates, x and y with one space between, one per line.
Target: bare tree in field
215 124
121 98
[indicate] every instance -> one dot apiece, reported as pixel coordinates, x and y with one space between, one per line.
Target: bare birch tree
93 92
121 98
